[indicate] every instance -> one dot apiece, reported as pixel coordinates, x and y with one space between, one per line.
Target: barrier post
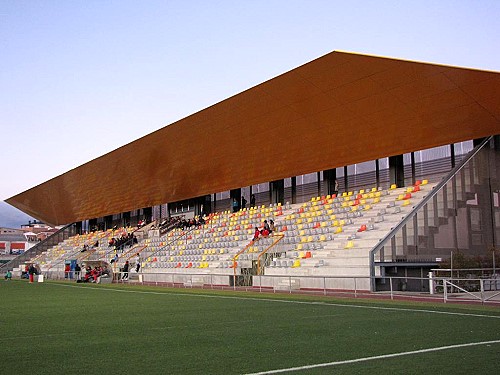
431 282
390 282
445 290
481 284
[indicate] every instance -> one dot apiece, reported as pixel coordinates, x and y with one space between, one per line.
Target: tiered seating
327 236
333 235
53 259
213 245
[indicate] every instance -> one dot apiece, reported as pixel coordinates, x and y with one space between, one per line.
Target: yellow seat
349 245
393 186
338 230
406 203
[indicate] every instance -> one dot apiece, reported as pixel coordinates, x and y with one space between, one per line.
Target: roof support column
278 191
235 197
396 170
329 176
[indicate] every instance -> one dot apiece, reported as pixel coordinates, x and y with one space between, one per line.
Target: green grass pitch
62 328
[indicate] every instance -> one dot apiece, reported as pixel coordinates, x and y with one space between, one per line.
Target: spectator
125 269
266 229
8 275
32 272
252 200
67 270
235 205
137 263
78 270
272 228
256 234
243 202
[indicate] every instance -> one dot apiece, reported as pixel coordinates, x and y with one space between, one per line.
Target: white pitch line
285 301
393 355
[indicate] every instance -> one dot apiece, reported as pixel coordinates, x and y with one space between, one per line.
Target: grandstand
411 148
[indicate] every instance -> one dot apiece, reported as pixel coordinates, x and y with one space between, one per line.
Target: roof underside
337 110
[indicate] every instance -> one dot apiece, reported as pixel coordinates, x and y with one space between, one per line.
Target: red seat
362 228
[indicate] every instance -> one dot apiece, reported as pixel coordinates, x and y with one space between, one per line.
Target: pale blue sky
81 78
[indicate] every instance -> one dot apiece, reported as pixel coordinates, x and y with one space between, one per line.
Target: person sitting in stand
256 234
272 228
88 274
265 230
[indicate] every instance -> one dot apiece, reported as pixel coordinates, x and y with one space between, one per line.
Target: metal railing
412 240
62 234
484 291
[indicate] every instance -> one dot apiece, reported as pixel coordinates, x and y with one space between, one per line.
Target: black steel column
277 191
396 170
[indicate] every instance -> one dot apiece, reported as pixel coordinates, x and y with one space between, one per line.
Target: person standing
78 270
252 200
32 272
243 202
137 263
125 269
235 205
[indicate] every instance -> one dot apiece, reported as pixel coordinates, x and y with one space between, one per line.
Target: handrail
421 204
184 233
28 254
235 257
281 236
76 252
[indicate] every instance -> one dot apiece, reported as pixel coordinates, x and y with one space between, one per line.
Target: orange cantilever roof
340 109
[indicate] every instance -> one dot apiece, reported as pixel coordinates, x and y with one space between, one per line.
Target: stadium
396 168
393 172
187 213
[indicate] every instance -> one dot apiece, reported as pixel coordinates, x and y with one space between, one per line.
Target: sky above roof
81 78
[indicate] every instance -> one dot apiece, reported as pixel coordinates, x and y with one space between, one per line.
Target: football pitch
57 327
